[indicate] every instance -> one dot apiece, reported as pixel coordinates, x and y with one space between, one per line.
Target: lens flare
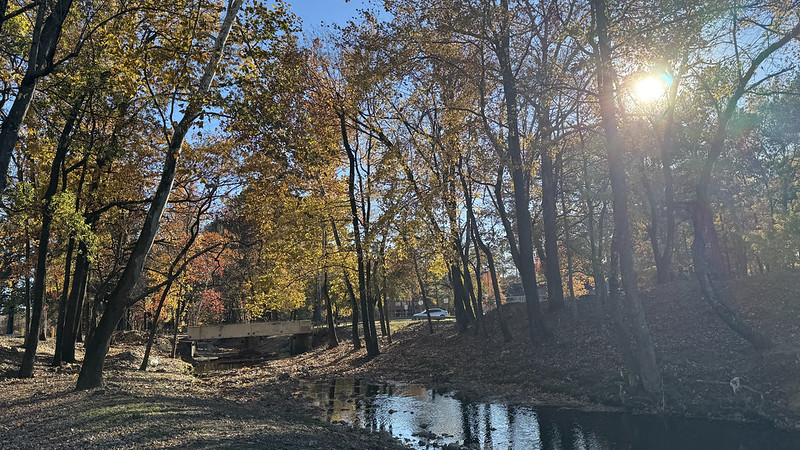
650 89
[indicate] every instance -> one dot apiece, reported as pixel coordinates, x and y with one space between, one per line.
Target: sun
650 88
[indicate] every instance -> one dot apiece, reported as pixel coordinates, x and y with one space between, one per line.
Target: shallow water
424 418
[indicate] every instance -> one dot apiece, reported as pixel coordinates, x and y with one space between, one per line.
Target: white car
436 313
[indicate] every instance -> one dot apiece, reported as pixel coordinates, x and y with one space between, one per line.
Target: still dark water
426 419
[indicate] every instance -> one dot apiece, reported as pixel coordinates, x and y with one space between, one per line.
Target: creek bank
701 359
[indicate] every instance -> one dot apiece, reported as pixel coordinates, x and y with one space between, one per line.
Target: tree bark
472 231
28 304
621 333
64 322
470 302
706 249
178 314
11 312
496 289
43 323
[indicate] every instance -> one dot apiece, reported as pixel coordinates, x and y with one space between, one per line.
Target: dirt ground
263 407
165 407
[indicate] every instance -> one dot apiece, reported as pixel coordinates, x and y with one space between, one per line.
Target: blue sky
313 12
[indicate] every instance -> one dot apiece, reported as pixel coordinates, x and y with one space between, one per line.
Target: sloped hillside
579 365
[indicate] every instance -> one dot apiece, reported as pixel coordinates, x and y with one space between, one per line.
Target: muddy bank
580 367
165 407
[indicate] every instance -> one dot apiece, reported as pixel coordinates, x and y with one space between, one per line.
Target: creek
425 418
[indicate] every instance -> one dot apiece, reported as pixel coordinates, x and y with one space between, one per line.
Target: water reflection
424 418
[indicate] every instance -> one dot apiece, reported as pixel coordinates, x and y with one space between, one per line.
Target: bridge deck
239 330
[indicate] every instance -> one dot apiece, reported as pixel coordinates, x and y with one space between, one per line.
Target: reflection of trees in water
465 424
548 434
487 424
414 409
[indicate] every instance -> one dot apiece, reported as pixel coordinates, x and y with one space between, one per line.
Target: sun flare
650 88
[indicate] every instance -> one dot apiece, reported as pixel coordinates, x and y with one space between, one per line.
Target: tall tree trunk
372 345
62 303
379 290
470 302
600 288
27 282
621 333
496 290
45 37
11 308
74 302
373 330
649 372
333 341
178 315
662 265
708 261
463 285
356 340
460 296
316 309
711 292
484 331
525 265
667 151
63 319
152 336
39 289
489 259
350 292
44 323
573 301
552 266
381 315
473 234
92 370
422 290
384 307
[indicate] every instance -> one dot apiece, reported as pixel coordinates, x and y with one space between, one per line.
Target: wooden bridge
299 332
241 330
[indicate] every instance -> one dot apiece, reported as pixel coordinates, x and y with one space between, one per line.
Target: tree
97 347
32 339
648 370
707 266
